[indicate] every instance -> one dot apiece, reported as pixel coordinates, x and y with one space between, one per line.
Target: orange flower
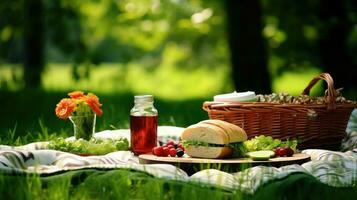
79 104
76 94
93 102
65 108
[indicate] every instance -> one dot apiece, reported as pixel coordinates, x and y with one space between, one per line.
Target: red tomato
276 150
289 151
180 145
165 151
281 152
170 146
158 151
172 152
170 142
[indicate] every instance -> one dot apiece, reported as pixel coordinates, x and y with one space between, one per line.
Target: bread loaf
212 139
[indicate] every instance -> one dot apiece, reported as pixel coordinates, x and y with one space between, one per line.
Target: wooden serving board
191 165
148 158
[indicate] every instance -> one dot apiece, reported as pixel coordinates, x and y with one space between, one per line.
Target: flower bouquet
82 110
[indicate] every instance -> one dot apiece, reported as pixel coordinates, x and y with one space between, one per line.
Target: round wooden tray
191 165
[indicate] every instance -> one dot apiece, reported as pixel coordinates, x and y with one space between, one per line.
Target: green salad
263 142
92 147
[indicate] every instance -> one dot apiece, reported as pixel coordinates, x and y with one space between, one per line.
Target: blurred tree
247 46
11 28
312 34
65 33
33 43
185 34
333 43
291 30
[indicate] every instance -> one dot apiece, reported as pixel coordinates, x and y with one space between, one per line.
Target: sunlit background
177 50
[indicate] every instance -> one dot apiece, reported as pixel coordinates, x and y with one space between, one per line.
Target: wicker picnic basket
315 125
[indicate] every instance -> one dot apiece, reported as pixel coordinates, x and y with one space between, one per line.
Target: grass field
101 184
179 95
164 82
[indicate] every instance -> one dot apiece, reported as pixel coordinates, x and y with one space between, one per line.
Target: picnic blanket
335 169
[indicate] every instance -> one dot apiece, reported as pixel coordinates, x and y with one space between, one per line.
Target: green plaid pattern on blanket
350 141
335 169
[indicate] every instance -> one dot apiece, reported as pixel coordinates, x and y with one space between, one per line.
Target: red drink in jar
143 133
143 125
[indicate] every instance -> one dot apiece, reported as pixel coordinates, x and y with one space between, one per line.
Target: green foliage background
175 49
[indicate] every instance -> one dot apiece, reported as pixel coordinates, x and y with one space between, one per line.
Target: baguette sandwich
214 139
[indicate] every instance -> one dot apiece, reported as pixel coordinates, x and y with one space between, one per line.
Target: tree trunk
247 46
33 43
333 44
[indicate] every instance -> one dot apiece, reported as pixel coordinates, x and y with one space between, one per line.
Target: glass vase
84 126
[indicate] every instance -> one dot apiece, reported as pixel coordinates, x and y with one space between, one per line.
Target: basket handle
330 93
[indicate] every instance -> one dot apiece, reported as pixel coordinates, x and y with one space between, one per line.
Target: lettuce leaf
239 149
263 142
197 143
93 146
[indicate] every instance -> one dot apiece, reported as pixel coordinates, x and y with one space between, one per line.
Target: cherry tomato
165 151
281 152
170 142
180 145
289 151
276 151
158 151
172 152
170 146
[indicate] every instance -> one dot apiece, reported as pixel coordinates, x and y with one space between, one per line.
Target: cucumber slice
261 155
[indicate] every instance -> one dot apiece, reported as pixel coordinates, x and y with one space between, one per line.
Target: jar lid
143 98
236 96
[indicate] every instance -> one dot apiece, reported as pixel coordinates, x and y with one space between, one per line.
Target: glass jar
143 125
84 126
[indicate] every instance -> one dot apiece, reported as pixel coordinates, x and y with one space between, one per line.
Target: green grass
102 184
31 113
28 116
179 95
165 81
